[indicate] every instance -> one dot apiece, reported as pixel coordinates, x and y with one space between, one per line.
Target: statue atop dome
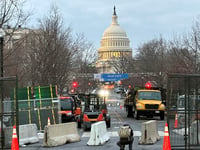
114 13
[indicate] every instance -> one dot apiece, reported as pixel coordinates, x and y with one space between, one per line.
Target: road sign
113 77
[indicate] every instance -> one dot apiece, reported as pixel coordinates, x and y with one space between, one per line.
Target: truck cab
148 103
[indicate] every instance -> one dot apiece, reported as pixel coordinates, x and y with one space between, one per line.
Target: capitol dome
114 45
114 30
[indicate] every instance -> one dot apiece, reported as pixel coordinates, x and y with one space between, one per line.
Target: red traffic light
75 84
148 85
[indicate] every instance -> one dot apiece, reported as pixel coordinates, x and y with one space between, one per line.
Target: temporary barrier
59 134
176 121
99 134
183 99
27 134
194 134
15 145
149 132
166 141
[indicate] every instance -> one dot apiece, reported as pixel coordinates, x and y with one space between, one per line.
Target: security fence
20 106
8 109
37 104
183 110
37 111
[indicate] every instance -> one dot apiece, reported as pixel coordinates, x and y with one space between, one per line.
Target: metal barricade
183 111
8 108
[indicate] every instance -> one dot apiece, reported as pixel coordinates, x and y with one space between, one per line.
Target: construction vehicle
144 102
93 110
68 109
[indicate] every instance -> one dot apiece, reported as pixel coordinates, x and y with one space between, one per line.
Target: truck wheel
129 112
108 124
84 127
137 117
162 116
79 124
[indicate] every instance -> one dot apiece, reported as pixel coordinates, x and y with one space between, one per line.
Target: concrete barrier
60 134
195 132
99 134
27 134
149 133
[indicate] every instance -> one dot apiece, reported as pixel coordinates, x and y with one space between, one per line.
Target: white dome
114 45
114 31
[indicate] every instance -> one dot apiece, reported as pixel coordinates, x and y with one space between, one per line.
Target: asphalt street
118 116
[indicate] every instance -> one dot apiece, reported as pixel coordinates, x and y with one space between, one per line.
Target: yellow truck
144 102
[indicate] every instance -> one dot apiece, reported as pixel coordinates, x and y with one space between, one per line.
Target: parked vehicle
68 109
144 102
192 112
93 110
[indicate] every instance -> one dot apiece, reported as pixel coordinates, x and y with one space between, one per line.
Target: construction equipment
68 109
93 110
144 102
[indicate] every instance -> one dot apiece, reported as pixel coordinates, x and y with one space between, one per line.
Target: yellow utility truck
144 102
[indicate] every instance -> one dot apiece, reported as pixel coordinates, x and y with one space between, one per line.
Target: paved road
118 116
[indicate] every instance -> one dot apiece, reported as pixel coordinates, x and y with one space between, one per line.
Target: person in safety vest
125 136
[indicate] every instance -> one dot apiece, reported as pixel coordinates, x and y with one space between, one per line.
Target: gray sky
142 20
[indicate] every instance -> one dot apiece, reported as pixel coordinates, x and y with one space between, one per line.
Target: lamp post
2 34
103 93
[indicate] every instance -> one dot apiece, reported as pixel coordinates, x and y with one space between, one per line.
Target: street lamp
103 93
2 34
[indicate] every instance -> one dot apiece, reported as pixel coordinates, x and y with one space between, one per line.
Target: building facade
114 48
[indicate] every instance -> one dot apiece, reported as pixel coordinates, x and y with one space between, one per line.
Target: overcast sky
143 20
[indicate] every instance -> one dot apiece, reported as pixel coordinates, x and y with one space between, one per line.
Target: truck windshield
149 95
66 104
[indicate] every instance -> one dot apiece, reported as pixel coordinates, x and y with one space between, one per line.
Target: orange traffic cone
15 145
176 121
49 123
166 142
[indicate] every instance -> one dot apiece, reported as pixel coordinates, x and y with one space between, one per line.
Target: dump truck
93 110
144 102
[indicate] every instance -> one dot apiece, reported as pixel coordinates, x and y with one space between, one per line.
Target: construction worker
125 136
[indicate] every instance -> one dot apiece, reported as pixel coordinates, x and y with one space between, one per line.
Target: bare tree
192 43
50 52
123 64
12 14
152 59
84 63
53 55
184 52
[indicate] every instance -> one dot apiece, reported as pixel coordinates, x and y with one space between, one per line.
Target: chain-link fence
183 107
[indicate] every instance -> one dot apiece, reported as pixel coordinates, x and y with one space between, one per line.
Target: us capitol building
114 47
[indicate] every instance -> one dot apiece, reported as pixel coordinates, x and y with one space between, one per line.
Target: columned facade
115 45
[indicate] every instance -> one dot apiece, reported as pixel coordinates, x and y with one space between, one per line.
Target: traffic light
75 84
148 85
72 91
89 83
